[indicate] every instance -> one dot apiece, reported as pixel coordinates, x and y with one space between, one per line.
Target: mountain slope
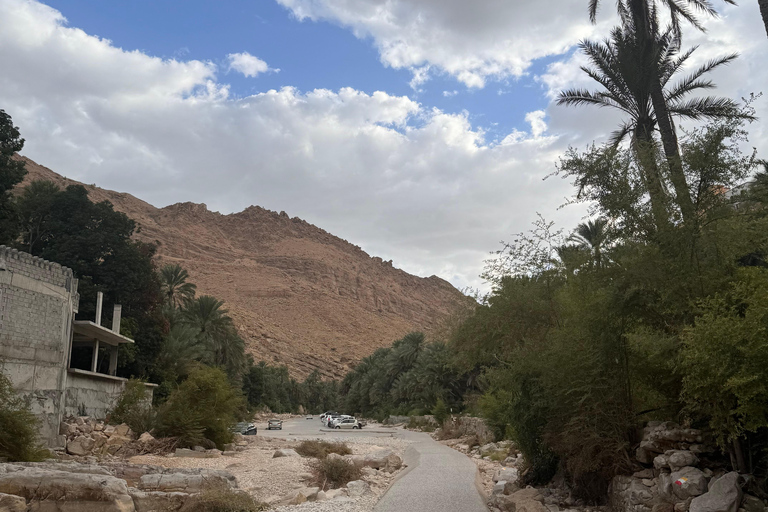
298 295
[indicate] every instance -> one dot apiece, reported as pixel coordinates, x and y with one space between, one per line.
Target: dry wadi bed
265 477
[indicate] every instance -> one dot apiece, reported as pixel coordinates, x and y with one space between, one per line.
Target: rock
81 445
230 447
504 487
185 452
752 503
357 488
198 448
146 437
646 473
383 459
335 493
80 492
675 460
109 430
10 503
229 454
295 498
680 485
508 474
99 426
67 429
683 506
285 452
663 507
321 496
368 471
118 440
723 496
629 494
526 500
123 430
310 493
157 501
191 481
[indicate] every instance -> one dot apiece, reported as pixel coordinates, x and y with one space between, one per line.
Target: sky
420 130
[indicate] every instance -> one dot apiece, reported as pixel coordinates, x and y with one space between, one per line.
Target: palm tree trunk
672 152
764 11
646 155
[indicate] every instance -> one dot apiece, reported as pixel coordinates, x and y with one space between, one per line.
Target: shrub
334 473
204 407
224 500
134 408
321 449
18 427
440 412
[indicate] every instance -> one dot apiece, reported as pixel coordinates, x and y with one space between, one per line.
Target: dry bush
334 473
321 449
223 500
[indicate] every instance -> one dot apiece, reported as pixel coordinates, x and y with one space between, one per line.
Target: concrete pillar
113 360
99 302
95 359
116 315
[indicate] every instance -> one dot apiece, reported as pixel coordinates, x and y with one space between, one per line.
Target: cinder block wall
38 300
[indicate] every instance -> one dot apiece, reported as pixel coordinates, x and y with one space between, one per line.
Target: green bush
321 449
440 411
334 473
204 407
223 500
18 427
134 408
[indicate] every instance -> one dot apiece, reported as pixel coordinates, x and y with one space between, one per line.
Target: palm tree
627 66
764 11
181 347
217 331
592 236
643 13
176 289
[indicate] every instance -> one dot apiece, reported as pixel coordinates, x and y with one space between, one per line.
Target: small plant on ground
440 412
321 449
134 408
332 473
18 427
224 500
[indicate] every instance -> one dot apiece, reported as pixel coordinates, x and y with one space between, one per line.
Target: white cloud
247 64
404 181
449 94
471 41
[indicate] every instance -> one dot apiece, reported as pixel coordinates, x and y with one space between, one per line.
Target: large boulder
81 445
357 488
660 437
11 503
382 459
628 494
187 481
285 452
680 485
675 460
723 496
62 491
157 501
507 474
525 500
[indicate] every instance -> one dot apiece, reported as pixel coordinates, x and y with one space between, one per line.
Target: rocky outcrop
72 487
87 436
674 483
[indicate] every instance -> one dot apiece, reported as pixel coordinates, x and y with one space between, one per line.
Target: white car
336 421
348 423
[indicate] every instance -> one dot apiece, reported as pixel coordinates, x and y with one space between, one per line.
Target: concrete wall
95 394
38 300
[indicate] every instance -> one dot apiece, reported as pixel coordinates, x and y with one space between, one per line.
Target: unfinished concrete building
38 333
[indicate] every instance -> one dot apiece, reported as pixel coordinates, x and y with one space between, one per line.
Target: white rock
357 488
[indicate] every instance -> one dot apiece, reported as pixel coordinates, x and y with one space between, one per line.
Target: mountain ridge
299 295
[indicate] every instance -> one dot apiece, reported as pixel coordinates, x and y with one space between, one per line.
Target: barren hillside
299 295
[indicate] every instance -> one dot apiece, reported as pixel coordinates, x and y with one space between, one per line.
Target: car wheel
338 428
355 426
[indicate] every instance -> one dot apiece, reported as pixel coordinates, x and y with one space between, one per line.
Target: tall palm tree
764 11
643 13
622 65
592 236
217 331
176 289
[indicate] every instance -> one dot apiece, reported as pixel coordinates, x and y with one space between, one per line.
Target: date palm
643 13
176 289
627 66
764 11
593 237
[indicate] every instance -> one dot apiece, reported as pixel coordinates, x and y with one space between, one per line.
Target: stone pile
87 436
674 480
69 486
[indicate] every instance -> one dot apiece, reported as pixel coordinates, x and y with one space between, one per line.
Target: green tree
35 210
628 66
642 14
12 172
176 290
593 237
217 332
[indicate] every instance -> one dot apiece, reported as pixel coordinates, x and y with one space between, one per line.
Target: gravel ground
264 477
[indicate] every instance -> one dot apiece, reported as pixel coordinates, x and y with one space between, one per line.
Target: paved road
438 478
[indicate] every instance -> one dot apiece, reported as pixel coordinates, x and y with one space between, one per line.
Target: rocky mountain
298 295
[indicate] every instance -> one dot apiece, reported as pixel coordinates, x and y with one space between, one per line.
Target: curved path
438 479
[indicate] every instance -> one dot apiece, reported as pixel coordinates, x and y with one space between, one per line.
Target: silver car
348 423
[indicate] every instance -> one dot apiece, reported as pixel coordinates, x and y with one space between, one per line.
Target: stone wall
38 301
